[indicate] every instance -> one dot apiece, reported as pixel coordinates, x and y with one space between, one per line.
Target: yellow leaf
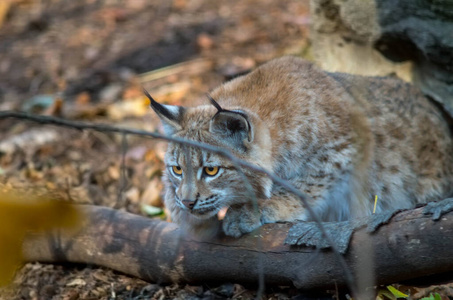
385 294
4 8
396 293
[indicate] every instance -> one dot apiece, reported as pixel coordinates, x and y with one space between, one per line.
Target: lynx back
338 138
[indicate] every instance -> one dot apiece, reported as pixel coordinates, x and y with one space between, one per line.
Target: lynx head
200 182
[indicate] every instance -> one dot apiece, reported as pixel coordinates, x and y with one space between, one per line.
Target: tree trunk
412 245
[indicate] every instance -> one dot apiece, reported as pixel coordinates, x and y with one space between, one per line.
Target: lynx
338 138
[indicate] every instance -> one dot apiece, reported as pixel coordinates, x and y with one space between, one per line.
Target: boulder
410 39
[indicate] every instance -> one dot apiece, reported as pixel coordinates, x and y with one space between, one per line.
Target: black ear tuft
213 102
170 115
166 111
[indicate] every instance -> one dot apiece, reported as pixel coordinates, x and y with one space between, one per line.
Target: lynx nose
188 203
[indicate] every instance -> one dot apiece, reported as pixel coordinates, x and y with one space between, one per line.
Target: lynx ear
170 115
233 126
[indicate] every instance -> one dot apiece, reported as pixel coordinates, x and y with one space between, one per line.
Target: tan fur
340 139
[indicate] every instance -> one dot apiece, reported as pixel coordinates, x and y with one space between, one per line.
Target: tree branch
221 151
412 245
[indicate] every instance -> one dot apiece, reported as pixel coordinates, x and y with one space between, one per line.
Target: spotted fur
340 139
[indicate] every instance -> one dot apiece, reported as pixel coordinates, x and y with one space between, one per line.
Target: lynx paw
241 220
204 229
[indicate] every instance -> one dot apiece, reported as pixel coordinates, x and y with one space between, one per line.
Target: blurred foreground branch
412 245
221 151
157 251
22 212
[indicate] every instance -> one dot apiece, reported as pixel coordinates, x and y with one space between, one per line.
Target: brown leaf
152 193
55 109
77 282
83 98
137 107
205 41
29 140
132 92
114 172
133 195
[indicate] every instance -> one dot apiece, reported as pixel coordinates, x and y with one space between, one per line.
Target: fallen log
410 246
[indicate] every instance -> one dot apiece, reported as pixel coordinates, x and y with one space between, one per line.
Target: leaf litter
88 60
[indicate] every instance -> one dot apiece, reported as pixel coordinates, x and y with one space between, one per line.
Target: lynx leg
241 219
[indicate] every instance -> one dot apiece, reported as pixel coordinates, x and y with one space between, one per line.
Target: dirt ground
87 60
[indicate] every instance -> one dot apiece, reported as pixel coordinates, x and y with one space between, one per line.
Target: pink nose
188 203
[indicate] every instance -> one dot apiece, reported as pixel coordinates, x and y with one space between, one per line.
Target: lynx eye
211 171
176 170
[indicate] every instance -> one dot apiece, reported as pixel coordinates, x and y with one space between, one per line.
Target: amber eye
177 170
211 171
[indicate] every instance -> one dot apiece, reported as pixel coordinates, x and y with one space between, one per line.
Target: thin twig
193 66
221 151
121 201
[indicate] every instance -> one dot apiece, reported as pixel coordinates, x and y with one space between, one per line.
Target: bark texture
411 245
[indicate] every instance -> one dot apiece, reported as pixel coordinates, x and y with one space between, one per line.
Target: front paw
241 220
201 228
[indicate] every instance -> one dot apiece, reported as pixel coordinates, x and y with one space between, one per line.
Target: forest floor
88 60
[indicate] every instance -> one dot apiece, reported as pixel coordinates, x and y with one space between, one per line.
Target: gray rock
385 37
420 31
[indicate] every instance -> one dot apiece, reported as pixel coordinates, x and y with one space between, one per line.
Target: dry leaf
83 98
133 195
77 282
132 93
114 172
5 6
137 107
29 140
151 195
55 109
204 41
